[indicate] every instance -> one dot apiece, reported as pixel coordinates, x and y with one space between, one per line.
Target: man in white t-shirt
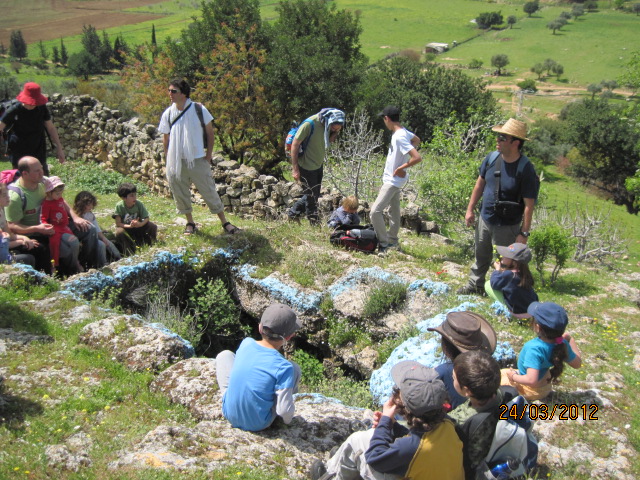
402 155
188 157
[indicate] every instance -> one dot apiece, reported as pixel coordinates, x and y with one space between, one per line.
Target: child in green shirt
133 227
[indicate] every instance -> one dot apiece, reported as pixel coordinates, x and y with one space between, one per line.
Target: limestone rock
71 455
138 345
192 383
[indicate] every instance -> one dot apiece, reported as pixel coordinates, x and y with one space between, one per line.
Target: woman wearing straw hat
28 122
508 186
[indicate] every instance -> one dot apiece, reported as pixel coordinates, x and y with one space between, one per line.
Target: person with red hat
26 123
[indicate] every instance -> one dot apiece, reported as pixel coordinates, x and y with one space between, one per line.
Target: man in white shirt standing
402 155
185 126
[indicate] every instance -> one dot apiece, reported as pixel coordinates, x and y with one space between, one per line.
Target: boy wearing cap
257 383
428 449
55 212
508 186
27 122
402 154
511 283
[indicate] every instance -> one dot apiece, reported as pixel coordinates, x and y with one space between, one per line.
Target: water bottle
5 256
356 232
503 469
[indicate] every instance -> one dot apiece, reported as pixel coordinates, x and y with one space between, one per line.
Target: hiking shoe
317 470
471 290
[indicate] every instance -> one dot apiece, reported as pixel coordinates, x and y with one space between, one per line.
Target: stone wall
91 131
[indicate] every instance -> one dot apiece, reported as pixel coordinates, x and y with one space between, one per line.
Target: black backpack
355 237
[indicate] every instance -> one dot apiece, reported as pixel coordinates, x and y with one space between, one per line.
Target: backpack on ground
355 237
295 126
512 440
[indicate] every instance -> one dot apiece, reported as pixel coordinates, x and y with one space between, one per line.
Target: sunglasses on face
173 90
503 138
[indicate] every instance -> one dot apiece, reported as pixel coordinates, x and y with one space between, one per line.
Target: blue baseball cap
549 314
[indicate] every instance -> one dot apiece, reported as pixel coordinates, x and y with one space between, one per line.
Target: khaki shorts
530 393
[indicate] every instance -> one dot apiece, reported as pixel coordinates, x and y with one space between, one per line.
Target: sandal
190 228
231 231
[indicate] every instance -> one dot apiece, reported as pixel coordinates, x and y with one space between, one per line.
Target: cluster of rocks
91 131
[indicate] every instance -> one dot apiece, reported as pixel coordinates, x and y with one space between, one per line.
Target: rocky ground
580 448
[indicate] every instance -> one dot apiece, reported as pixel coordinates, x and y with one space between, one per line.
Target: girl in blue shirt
542 359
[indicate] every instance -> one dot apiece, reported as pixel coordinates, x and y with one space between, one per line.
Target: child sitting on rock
512 283
257 383
428 449
476 376
542 359
83 205
133 227
347 214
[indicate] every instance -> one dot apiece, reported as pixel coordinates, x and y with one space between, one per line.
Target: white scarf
180 145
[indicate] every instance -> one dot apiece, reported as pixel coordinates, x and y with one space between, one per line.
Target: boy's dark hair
426 422
182 85
394 118
559 353
479 372
125 189
83 200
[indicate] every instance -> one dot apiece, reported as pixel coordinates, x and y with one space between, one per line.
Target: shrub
343 331
528 84
475 63
311 367
161 310
214 310
551 243
383 297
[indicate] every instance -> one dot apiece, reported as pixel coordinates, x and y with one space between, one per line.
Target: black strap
178 117
497 173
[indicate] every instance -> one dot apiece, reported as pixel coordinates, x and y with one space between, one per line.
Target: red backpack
360 238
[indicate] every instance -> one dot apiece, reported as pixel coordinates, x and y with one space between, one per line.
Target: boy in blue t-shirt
257 383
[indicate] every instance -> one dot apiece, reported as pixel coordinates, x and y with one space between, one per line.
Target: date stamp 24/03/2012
548 412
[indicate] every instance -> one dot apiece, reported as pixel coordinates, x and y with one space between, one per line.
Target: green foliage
17 45
548 141
246 122
229 18
500 61
551 243
214 310
528 84
9 87
488 19
631 76
530 8
475 63
348 391
343 331
84 64
383 297
314 58
609 147
43 50
425 96
92 177
388 345
511 20
160 309
311 367
64 56
91 41
450 170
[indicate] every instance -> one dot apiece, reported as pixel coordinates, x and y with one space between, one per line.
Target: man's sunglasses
503 138
173 90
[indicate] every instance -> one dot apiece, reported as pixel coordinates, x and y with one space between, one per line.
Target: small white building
435 47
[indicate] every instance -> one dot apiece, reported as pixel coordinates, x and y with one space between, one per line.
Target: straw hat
513 127
32 95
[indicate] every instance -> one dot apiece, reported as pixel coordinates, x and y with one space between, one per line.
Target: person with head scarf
315 135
